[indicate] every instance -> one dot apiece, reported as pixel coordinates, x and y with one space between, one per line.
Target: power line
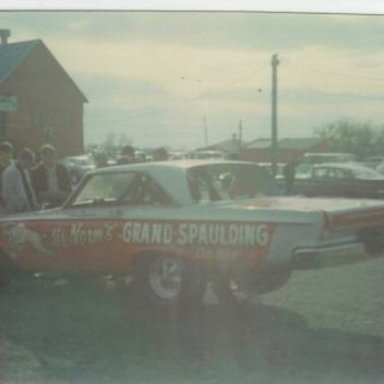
179 101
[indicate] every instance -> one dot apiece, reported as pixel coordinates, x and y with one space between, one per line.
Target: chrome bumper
331 256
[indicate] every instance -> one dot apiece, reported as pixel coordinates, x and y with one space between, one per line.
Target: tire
269 281
165 280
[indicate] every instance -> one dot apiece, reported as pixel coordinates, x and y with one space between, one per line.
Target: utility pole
240 133
205 131
274 141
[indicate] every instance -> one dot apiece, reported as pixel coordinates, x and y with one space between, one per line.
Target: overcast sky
154 77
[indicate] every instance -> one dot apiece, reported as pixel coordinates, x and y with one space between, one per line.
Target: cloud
157 74
117 92
234 30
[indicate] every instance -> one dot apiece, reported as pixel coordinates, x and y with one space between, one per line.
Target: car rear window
218 182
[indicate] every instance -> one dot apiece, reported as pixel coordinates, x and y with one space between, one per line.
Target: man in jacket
50 179
17 191
6 157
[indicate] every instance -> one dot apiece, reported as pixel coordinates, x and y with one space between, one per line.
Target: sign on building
8 103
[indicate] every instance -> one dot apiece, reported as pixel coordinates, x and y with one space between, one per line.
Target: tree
361 139
378 147
110 140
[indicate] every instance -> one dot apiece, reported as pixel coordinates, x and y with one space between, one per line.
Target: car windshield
219 182
103 188
129 188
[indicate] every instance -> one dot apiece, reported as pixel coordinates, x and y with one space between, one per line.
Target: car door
129 220
314 185
336 183
348 185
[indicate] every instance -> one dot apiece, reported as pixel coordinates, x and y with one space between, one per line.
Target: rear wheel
165 279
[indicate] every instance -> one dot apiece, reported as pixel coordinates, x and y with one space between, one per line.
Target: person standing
289 178
16 187
160 154
50 179
6 157
127 155
6 154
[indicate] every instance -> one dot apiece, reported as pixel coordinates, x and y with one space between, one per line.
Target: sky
186 79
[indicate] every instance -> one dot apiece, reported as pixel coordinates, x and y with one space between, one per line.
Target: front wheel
168 280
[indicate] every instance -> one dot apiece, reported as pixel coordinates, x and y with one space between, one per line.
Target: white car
174 225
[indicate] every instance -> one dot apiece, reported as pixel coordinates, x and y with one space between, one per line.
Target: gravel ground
322 327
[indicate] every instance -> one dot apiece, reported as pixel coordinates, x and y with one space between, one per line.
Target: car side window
202 190
349 175
213 183
320 173
335 174
341 174
145 191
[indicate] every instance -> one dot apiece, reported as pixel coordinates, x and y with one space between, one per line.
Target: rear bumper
330 256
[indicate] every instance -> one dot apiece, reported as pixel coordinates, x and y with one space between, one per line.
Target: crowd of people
31 181
27 184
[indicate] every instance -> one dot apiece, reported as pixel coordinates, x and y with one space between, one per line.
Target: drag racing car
174 225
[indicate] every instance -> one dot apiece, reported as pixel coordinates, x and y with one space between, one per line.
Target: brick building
39 102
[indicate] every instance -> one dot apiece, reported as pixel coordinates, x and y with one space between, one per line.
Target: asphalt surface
322 327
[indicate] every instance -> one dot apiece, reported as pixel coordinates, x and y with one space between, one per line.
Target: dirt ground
322 327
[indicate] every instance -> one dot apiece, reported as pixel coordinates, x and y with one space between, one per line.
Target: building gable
12 56
48 105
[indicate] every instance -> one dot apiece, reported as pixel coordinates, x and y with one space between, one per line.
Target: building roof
231 145
12 55
259 144
290 143
300 143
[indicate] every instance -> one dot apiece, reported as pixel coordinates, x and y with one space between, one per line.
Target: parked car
341 180
279 169
174 225
310 159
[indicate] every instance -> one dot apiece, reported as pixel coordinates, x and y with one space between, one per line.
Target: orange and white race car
173 225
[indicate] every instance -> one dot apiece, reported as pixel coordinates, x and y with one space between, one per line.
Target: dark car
341 180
